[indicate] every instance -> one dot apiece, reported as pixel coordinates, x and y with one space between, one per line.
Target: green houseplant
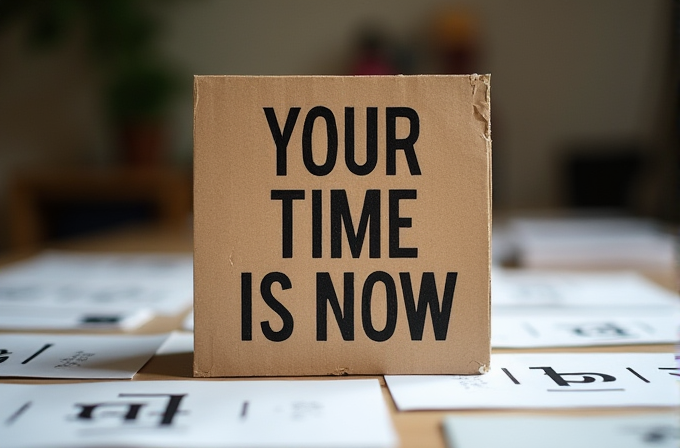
120 37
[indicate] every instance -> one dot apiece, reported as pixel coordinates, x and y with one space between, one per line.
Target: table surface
420 429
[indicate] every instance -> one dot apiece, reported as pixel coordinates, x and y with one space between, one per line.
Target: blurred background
96 96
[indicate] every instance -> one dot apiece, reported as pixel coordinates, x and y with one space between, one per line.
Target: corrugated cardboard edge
481 104
197 373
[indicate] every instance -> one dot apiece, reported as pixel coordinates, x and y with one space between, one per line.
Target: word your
392 142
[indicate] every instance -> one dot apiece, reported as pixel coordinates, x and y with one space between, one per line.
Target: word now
416 313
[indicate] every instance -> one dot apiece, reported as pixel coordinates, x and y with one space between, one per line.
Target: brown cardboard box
342 225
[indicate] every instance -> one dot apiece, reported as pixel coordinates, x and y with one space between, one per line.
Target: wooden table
420 429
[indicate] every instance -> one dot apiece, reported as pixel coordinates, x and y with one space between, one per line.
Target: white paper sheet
624 431
66 318
75 265
102 282
530 330
177 342
330 413
547 380
75 356
563 290
188 322
161 296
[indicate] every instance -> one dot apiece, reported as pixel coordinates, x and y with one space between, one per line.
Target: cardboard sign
341 225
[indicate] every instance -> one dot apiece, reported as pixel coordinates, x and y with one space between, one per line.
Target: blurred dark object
142 143
672 205
665 204
50 205
373 54
120 38
603 176
456 40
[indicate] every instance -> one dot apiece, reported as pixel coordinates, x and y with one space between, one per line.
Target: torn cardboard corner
481 94
342 225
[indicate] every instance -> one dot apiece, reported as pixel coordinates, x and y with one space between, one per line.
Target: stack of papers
60 290
582 243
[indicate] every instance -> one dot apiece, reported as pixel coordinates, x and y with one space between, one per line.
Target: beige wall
561 71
